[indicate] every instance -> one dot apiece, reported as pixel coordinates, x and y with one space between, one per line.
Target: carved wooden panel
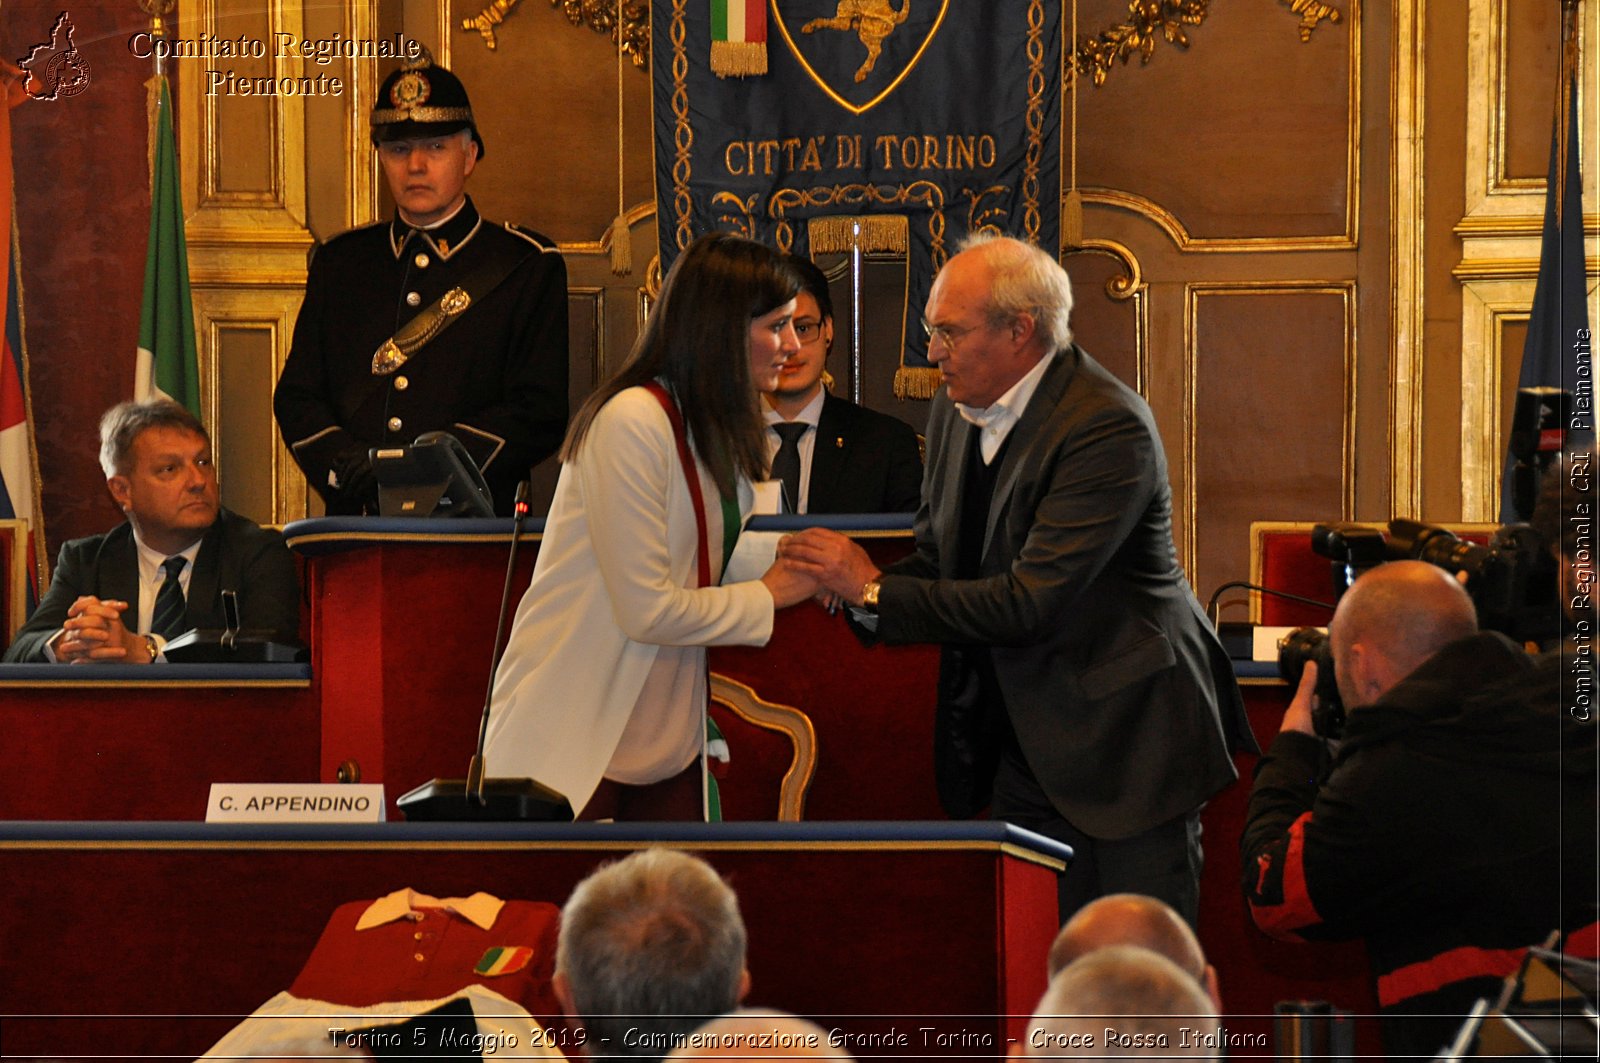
1181 138
1272 428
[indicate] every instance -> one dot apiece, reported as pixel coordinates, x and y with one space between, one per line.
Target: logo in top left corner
56 69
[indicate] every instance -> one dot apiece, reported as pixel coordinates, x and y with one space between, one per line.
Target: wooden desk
889 923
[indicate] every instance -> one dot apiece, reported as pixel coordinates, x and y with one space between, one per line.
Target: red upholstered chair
1281 558
773 754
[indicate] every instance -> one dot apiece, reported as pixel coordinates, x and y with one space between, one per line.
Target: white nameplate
1265 647
237 802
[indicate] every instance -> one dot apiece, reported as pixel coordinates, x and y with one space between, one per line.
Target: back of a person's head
759 1033
1406 610
650 946
1128 919
1123 1001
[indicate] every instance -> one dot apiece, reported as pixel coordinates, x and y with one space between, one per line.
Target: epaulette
539 240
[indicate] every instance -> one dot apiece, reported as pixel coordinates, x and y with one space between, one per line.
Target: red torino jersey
427 952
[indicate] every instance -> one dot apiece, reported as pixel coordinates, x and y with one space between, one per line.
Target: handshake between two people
819 564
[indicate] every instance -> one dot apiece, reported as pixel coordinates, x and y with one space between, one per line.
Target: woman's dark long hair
697 340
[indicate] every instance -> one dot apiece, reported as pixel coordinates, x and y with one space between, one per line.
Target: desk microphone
476 798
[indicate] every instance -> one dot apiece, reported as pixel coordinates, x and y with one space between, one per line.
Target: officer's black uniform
495 377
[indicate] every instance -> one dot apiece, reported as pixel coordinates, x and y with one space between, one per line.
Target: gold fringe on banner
837 235
916 382
738 59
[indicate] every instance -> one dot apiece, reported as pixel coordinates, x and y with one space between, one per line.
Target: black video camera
1512 581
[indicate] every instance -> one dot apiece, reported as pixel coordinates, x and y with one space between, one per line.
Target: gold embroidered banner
892 125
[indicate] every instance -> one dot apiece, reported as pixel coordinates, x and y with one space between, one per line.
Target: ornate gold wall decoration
486 20
601 16
1149 21
1311 12
598 15
1152 21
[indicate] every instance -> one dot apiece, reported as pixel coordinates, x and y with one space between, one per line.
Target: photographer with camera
1445 823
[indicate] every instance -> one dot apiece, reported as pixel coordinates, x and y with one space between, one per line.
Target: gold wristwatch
869 595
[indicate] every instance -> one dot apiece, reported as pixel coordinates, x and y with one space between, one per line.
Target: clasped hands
94 631
833 566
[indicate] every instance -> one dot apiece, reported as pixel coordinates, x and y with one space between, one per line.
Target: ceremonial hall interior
1307 233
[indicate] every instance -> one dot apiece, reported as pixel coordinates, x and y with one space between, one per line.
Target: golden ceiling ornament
602 16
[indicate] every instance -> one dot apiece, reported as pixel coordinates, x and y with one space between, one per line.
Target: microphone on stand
476 798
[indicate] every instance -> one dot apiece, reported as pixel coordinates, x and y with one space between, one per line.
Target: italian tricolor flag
738 37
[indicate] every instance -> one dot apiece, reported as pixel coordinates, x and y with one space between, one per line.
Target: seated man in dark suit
831 455
120 596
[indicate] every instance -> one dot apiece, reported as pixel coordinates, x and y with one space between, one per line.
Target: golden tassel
621 242
1072 218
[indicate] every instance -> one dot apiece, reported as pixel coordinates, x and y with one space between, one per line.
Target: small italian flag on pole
738 38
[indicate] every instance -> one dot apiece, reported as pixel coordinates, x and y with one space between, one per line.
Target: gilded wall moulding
599 15
1152 21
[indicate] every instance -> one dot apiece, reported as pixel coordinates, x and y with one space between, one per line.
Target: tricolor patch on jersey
503 959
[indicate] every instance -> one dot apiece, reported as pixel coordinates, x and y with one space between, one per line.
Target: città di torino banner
889 125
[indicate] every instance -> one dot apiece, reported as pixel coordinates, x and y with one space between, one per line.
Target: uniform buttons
395 424
401 383
419 957
413 299
421 260
417 935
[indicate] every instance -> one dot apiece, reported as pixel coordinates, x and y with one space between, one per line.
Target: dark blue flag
1557 351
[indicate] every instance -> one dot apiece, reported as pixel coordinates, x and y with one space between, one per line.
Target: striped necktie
168 618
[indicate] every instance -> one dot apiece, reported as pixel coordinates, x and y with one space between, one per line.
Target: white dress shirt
996 420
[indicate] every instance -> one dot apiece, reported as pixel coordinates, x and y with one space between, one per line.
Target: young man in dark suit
1082 692
831 455
117 598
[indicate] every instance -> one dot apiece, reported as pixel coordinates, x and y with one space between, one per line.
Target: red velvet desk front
891 923
123 742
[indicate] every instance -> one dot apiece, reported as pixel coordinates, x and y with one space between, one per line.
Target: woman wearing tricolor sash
602 692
